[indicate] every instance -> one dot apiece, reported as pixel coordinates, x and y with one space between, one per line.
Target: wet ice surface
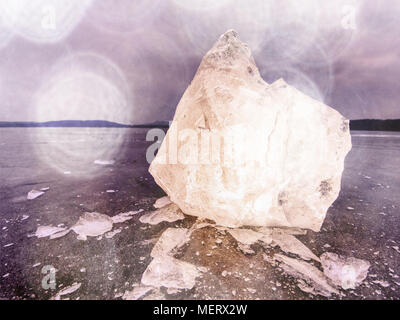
112 267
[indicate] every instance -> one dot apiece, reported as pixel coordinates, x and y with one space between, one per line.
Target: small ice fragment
312 280
246 236
6 275
68 290
224 273
111 234
169 272
170 240
92 224
33 194
155 295
137 293
47 231
8 245
251 290
162 202
67 172
45 189
59 234
110 191
350 208
24 217
396 248
104 162
125 216
36 265
383 284
291 244
347 272
173 291
169 213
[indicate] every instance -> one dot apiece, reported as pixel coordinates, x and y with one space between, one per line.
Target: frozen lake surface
63 159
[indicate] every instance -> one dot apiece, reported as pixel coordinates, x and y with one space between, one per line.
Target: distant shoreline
80 124
355 125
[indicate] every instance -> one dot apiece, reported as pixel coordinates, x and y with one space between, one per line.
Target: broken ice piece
45 189
173 291
245 236
137 292
272 132
347 272
46 231
383 284
169 272
162 202
156 294
33 194
68 290
59 234
92 224
170 240
124 216
316 281
169 213
291 244
111 234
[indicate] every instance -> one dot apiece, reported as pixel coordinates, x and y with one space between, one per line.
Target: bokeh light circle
43 20
83 87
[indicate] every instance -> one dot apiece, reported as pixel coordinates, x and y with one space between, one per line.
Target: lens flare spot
82 87
43 20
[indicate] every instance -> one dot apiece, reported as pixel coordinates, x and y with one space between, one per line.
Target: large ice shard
241 151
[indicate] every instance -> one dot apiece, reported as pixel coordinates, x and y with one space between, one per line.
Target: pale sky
130 61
